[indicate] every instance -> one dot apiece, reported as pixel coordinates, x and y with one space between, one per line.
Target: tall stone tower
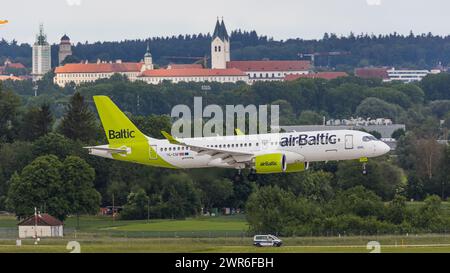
41 55
220 46
65 48
148 60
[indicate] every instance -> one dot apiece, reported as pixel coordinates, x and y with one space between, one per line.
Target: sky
112 20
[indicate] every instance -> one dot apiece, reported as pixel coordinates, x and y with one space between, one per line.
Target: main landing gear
238 177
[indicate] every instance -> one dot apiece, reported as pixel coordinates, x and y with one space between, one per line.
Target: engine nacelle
270 163
297 167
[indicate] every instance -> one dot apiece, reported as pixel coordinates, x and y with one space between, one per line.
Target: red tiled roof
42 220
16 65
270 65
198 72
184 66
318 75
99 68
376 72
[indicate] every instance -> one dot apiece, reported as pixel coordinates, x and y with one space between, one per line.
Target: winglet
170 138
238 132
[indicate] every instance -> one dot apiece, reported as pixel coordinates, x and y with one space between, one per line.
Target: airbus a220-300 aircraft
261 153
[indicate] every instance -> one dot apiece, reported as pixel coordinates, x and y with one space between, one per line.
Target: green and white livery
261 153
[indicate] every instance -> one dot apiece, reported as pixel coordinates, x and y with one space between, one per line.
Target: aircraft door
348 142
153 155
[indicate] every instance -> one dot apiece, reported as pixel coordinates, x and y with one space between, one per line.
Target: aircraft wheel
238 178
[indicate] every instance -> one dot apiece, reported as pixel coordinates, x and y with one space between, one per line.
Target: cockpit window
369 138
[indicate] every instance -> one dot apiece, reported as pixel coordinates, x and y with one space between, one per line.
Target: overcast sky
100 20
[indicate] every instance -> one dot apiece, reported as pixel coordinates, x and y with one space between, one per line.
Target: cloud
73 2
373 2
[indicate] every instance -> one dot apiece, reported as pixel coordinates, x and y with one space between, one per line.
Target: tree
267 208
376 108
215 192
398 133
136 207
39 185
383 178
358 201
56 144
37 122
9 104
79 122
78 179
309 118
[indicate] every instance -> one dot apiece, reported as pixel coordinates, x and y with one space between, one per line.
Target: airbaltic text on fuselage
304 139
124 133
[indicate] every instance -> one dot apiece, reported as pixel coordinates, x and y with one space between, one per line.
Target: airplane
261 153
2 22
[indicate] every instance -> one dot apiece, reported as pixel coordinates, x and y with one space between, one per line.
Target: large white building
222 68
408 75
271 70
41 55
79 73
230 75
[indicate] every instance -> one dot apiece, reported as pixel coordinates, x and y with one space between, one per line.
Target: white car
266 240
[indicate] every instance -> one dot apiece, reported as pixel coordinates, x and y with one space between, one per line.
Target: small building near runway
41 225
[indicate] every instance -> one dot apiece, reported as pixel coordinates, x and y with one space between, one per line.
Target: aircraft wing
109 150
227 155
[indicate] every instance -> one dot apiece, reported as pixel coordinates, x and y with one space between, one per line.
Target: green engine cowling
270 163
277 163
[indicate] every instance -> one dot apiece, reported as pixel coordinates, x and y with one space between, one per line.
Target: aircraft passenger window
228 145
257 144
220 146
245 144
249 145
242 145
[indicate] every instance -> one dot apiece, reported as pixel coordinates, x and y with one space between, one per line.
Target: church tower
220 46
148 60
65 48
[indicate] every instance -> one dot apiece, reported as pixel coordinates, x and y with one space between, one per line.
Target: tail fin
118 128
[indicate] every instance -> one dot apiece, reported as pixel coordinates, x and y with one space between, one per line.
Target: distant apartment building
41 55
392 74
408 75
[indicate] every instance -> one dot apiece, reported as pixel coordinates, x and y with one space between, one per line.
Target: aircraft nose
384 148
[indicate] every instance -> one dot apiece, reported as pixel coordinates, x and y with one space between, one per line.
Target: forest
42 162
408 51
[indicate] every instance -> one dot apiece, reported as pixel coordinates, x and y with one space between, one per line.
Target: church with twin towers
223 69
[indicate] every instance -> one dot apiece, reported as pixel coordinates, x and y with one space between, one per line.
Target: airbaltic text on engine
124 133
304 139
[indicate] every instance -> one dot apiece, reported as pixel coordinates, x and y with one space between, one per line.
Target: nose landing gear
252 176
238 176
364 161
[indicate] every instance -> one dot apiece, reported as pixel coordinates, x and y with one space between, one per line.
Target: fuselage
297 146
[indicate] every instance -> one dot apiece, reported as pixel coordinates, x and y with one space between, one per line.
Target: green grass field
201 235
